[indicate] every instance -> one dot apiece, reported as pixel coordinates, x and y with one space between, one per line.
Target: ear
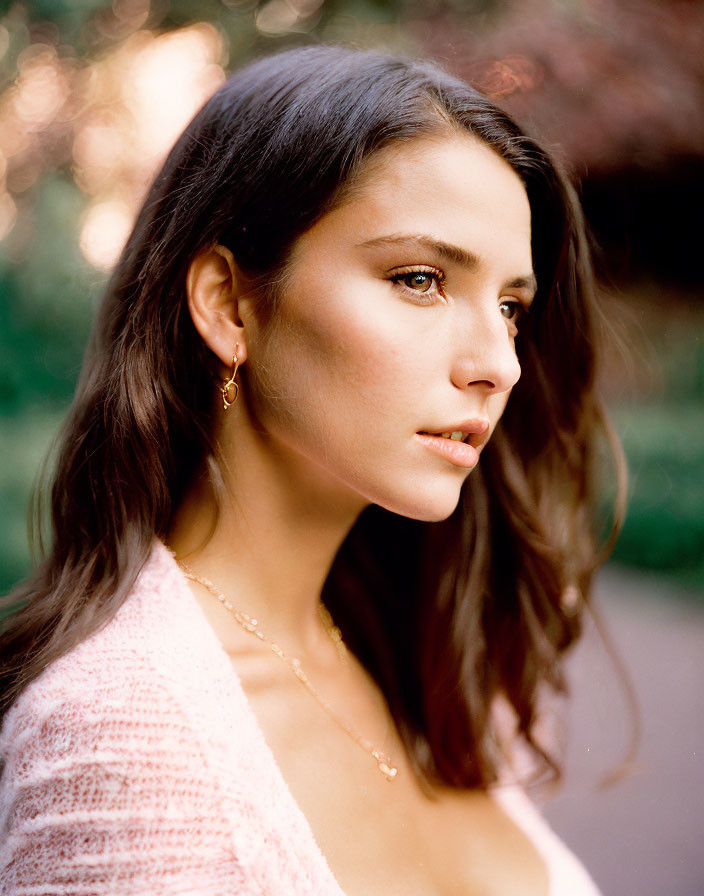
218 302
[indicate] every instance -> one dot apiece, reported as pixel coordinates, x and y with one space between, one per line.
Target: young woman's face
399 318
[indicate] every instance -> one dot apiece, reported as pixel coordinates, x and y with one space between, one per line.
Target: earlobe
213 286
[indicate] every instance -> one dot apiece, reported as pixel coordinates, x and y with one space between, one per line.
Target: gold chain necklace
384 763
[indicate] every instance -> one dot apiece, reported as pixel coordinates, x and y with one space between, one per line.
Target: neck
273 542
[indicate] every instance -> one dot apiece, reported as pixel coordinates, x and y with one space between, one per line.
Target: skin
377 339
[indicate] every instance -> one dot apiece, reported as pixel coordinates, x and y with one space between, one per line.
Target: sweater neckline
229 673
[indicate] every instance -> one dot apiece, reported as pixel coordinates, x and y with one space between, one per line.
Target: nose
486 356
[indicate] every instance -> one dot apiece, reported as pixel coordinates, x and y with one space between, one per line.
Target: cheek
497 406
498 402
332 368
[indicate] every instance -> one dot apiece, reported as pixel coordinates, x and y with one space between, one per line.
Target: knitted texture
134 764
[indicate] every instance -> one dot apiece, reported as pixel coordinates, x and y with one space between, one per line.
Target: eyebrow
456 254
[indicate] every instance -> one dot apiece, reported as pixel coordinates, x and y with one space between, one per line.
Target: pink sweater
135 765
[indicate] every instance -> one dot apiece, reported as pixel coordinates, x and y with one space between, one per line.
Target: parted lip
476 425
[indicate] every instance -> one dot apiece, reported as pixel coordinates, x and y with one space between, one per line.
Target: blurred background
92 96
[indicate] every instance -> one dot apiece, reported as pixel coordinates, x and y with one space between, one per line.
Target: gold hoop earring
231 384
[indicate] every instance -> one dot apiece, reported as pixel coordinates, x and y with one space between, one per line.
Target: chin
432 504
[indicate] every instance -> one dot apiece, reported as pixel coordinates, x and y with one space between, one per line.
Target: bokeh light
105 230
167 80
112 120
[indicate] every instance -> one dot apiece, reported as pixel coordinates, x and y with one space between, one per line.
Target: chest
400 842
386 837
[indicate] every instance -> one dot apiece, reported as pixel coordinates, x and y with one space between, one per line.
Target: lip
461 454
477 425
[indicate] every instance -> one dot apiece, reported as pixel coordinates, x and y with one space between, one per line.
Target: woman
298 387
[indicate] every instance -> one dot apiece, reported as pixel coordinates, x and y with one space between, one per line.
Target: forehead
453 187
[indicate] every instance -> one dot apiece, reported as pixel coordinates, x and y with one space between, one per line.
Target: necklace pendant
389 771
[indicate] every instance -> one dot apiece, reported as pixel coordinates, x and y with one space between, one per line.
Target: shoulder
102 764
142 647
115 673
96 697
132 679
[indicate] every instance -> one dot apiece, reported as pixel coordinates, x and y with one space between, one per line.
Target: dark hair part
447 616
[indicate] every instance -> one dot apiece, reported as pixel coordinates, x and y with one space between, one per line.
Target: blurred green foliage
46 306
664 528
662 429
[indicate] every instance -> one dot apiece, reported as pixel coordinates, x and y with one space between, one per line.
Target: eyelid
525 299
421 268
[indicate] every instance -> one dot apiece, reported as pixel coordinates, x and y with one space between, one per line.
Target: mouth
462 431
456 436
459 444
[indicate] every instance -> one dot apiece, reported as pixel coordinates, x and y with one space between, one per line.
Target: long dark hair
447 616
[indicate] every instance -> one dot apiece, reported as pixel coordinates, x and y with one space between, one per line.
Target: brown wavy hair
447 616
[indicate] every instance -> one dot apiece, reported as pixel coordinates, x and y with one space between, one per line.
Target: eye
419 281
425 283
515 312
